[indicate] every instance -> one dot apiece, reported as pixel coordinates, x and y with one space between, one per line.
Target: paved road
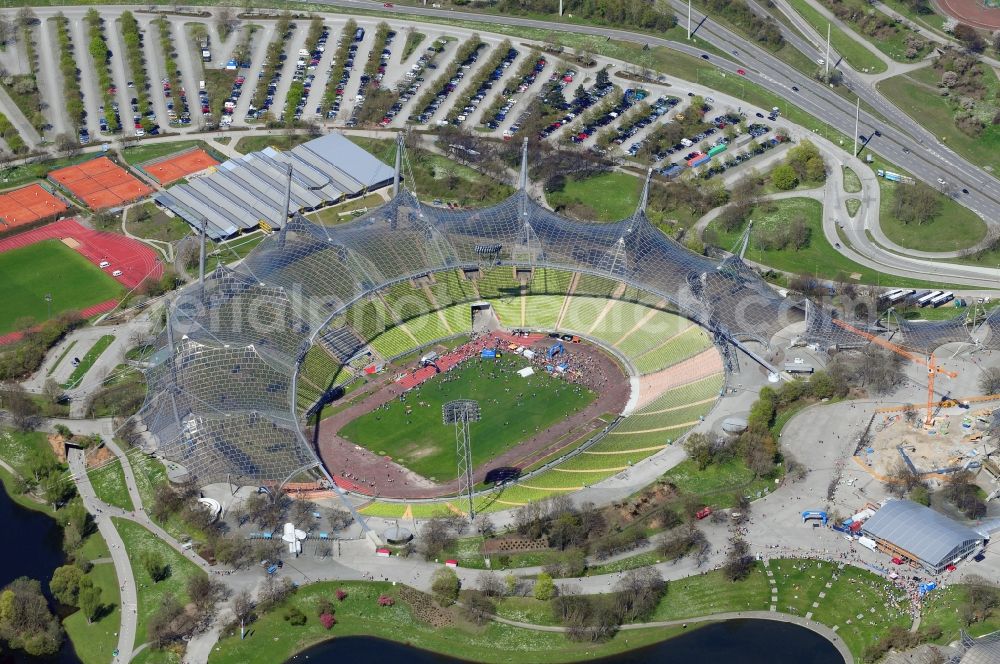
129 601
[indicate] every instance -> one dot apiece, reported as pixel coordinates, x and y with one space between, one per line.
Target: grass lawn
18 449
144 152
88 360
151 222
138 541
954 228
411 431
845 44
605 197
852 183
853 205
855 592
94 642
437 177
109 485
718 483
273 640
93 547
941 608
336 214
17 176
281 141
910 92
818 258
231 251
711 592
51 268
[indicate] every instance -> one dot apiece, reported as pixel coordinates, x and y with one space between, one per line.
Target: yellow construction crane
933 369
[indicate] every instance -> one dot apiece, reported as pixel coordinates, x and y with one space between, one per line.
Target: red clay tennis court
27 205
100 183
174 167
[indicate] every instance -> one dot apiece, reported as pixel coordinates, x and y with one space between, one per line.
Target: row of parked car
578 105
485 87
658 109
508 95
445 90
629 99
229 106
374 81
184 117
346 67
254 113
305 70
413 79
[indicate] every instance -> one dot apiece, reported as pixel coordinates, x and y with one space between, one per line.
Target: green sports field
513 409
29 273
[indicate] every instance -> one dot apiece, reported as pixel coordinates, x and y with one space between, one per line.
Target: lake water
730 642
34 549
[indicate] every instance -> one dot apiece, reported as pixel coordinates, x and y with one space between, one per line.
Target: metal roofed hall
325 171
919 532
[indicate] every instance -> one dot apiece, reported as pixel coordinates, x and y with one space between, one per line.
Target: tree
16 401
989 380
545 588
25 620
970 37
436 536
699 448
302 511
204 591
242 607
90 600
783 177
739 562
491 585
154 564
445 586
479 609
65 584
637 593
961 490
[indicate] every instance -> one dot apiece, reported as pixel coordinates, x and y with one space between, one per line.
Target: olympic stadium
250 353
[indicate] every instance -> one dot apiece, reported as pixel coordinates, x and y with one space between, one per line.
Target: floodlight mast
461 413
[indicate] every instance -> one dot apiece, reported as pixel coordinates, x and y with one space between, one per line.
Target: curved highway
906 143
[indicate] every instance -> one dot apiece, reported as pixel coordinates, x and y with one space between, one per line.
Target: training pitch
513 410
29 273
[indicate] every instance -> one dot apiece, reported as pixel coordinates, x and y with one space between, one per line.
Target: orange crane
933 369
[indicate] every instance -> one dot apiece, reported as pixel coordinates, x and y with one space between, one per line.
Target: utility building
911 531
243 194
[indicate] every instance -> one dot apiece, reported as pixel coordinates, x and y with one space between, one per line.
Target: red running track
136 260
94 310
971 12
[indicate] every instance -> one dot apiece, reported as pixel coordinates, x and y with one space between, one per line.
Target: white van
116 273
104 264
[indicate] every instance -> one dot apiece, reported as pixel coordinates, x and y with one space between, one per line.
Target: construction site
955 440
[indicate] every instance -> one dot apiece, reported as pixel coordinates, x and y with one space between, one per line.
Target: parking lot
368 73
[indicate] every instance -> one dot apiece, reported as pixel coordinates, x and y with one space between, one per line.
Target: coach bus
943 298
926 299
886 295
899 295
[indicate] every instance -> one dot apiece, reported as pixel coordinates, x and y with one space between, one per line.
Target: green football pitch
28 274
513 409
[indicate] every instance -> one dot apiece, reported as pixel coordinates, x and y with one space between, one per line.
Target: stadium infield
31 272
410 429
506 437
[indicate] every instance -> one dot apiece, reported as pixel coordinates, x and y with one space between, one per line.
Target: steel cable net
825 333
988 332
222 389
927 335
